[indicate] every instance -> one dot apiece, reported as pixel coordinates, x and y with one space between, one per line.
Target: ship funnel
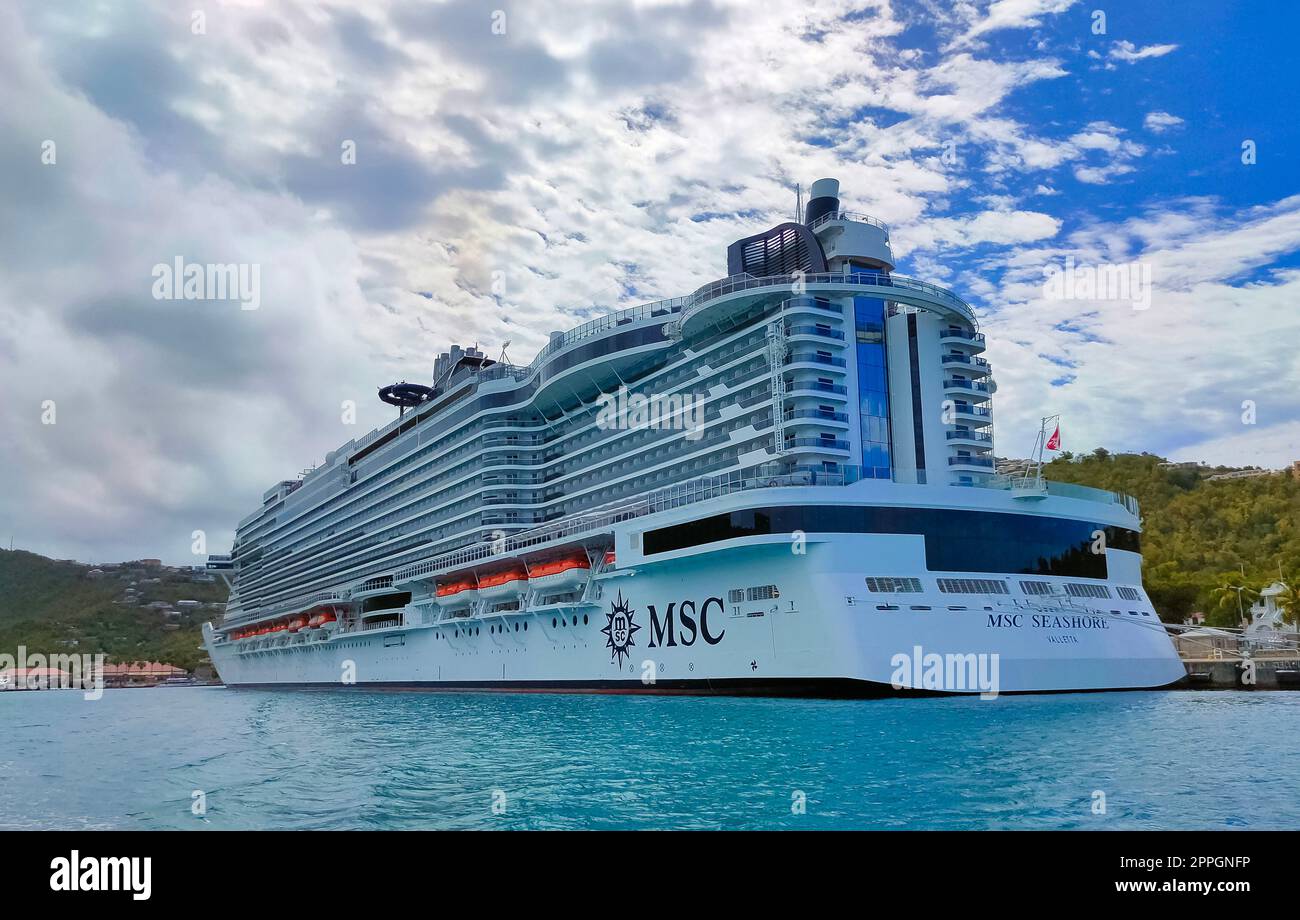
824 198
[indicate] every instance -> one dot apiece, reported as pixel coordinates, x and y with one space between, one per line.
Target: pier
1263 672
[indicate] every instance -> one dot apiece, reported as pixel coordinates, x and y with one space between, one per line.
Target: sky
406 175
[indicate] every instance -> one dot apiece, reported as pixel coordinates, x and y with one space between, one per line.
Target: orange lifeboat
320 619
461 591
505 583
560 573
297 623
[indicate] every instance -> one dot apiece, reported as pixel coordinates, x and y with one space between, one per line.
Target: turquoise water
333 759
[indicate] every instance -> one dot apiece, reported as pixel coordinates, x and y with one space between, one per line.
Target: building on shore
1239 474
134 674
141 674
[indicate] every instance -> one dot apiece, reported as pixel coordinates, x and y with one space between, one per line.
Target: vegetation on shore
1200 539
58 608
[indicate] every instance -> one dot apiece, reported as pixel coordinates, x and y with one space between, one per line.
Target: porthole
553 623
584 619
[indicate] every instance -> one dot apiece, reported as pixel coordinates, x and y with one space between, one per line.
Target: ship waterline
781 484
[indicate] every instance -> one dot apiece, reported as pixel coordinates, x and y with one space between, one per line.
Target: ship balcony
508 479
513 425
971 462
509 499
521 520
802 417
815 359
817 308
971 389
965 436
819 444
979 416
962 338
969 364
816 334
511 462
817 388
499 440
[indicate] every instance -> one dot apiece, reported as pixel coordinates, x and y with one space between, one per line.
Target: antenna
504 346
798 203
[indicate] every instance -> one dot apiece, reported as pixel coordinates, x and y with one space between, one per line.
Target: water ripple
329 760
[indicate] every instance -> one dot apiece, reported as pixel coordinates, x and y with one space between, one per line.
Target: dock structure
1263 672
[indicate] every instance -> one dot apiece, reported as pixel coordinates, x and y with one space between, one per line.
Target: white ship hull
825 633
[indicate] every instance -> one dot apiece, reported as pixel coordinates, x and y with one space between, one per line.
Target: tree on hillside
1228 600
1290 601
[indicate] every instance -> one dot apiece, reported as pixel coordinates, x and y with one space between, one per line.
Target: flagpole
1039 446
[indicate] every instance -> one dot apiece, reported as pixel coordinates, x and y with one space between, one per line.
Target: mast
1034 472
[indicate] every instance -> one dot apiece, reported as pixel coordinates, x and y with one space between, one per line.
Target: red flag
1054 442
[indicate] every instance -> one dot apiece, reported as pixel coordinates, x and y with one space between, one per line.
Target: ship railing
855 216
737 283
286 606
1014 482
670 497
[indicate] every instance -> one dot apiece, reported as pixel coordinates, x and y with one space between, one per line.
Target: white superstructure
781 483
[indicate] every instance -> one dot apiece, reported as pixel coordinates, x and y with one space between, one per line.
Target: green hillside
1198 535
60 608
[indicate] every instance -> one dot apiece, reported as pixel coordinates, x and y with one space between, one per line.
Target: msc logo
683 615
619 630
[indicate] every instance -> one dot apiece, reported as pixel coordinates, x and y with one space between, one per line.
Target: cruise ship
782 483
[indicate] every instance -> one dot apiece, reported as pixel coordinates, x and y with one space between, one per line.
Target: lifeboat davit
457 592
504 584
560 573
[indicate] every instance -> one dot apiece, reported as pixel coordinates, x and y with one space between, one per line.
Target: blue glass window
873 386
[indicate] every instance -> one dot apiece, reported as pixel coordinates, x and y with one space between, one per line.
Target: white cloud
1159 122
1171 378
1272 447
1013 14
593 157
1127 52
